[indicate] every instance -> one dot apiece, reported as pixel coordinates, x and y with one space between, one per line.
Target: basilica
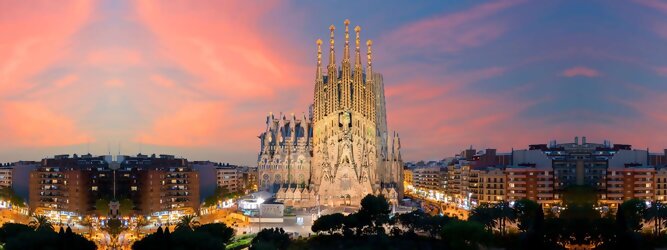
341 151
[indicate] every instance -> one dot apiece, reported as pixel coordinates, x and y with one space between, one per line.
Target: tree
630 214
504 213
220 193
465 235
374 212
102 207
7 193
188 222
534 232
11 230
126 206
16 236
413 220
656 212
217 230
271 238
208 236
527 213
485 215
41 223
329 223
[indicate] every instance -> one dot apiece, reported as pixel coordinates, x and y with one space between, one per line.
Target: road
434 207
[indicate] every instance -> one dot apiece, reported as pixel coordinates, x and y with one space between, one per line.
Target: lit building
341 151
661 184
64 183
71 185
248 179
228 177
492 183
407 176
427 178
165 183
6 173
543 171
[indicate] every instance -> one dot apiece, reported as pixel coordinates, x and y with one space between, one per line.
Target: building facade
6 174
228 177
544 171
342 150
73 184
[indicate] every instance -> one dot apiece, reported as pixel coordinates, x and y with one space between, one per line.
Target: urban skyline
283 124
509 73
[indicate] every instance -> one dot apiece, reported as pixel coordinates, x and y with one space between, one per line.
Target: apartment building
492 183
427 178
229 177
65 184
6 174
165 183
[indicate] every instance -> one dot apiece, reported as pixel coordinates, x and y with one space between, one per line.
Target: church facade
341 151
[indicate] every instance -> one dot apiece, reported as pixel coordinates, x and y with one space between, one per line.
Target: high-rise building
73 184
165 184
64 183
342 151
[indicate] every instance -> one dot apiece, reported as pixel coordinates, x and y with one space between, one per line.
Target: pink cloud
453 32
34 35
457 119
654 4
231 61
114 57
661 70
580 71
65 81
114 83
29 124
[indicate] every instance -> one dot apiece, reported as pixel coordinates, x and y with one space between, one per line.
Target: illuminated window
133 188
94 188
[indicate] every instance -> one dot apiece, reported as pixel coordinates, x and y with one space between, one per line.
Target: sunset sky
197 78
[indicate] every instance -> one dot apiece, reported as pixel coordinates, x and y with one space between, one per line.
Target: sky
197 78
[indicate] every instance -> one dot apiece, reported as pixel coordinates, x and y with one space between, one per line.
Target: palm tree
485 215
504 213
41 222
188 222
656 212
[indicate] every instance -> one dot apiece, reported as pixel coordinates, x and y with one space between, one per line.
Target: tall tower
343 154
346 161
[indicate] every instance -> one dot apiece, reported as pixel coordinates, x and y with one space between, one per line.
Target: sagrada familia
341 151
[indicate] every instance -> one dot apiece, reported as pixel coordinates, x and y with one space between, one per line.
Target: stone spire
332 77
369 68
358 75
370 86
357 57
319 81
346 77
332 56
318 75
